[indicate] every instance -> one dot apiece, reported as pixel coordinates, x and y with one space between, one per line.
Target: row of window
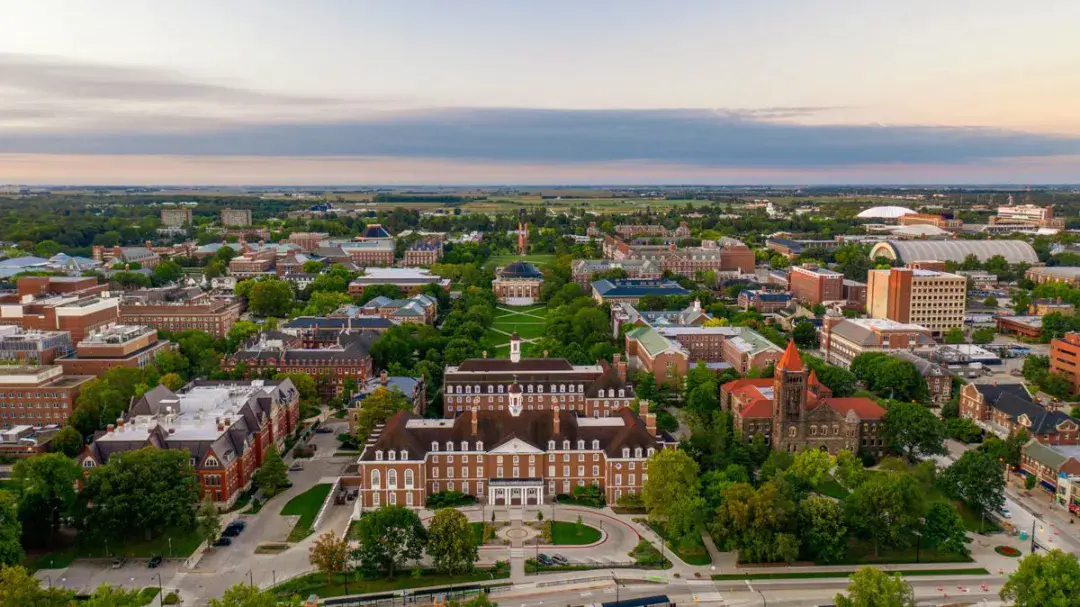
4 395
60 405
491 389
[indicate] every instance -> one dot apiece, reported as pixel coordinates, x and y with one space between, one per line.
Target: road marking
709 597
586 593
700 582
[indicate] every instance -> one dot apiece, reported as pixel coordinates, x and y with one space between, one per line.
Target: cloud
703 137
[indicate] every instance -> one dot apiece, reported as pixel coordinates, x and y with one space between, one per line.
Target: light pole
251 579
616 580
160 590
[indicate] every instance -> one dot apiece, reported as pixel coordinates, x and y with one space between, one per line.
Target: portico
515 492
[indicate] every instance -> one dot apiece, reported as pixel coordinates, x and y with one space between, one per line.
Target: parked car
560 559
1005 513
223 541
154 562
234 528
545 560
118 562
324 430
296 465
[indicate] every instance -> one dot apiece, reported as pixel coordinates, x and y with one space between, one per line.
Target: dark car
560 559
545 560
233 529
154 562
223 541
324 430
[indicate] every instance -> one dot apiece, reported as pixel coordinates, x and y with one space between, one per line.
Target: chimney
650 424
643 408
555 420
697 305
484 354
384 377
475 419
109 429
119 422
620 366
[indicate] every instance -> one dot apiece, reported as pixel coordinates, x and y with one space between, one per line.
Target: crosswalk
704 591
517 552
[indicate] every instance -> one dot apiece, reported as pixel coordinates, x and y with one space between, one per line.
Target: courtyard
527 321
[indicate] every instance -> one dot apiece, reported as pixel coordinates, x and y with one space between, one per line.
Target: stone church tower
789 398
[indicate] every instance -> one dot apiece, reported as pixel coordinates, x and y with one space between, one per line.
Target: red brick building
180 310
1065 358
79 312
226 426
649 351
251 264
307 241
424 252
331 366
812 284
115 346
1005 408
32 347
37 396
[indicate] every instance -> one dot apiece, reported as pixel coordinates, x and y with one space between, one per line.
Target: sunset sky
475 92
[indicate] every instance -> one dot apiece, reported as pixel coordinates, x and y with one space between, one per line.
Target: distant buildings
939 380
307 241
844 339
935 300
1005 408
627 314
38 395
1045 305
179 309
517 284
763 302
236 218
424 252
367 253
729 257
330 365
419 308
59 303
812 284
175 217
115 346
909 251
143 256
1025 326
1027 215
583 270
1063 274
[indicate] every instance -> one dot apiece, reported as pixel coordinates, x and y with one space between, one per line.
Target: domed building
885 213
517 284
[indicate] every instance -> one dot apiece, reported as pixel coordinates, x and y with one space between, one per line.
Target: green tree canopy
872 587
977 479
914 430
451 542
1050 579
389 537
47 494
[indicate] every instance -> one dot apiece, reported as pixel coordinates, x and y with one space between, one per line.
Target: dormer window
449 445
626 452
500 388
595 444
404 454
434 446
581 444
476 389
378 455
600 393
211 462
566 445
491 389
622 393
479 445
637 452
468 389
551 445
88 463
530 388
392 455
562 387
464 445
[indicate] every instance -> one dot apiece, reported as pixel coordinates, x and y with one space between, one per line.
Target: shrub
589 495
449 499
631 500
646 555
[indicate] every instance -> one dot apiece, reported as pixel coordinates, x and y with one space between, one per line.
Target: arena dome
885 212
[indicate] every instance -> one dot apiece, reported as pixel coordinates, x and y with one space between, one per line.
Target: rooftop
117 334
637 287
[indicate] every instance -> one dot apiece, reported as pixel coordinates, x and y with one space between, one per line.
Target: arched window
391 479
813 430
468 389
651 451
581 443
551 445
211 462
88 463
622 393
791 431
449 445
562 387
601 393
376 479
409 479
500 389
637 451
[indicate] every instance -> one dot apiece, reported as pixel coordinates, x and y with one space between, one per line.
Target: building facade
811 284
409 280
1004 409
115 346
517 284
424 252
236 218
935 300
1065 358
844 339
175 217
37 395
332 366
215 316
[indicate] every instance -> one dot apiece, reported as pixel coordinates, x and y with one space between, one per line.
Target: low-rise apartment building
1005 408
228 427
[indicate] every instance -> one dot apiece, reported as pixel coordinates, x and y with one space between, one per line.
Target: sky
337 92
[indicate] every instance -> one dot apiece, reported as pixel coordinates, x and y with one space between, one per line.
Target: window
409 479
479 471
434 473
376 479
449 445
626 452
637 451
404 454
580 444
551 445
409 499
551 470
479 445
391 479
393 499
464 445
566 445
392 455
596 470
632 477
618 479
434 445
374 499
378 455
595 444
211 462
88 463
435 488
566 470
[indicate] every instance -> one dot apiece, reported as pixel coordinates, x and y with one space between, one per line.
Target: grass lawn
183 543
316 583
568 534
833 489
497 261
306 506
972 520
861 552
692 553
478 532
842 574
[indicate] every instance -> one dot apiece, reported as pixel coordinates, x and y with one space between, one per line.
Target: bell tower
789 398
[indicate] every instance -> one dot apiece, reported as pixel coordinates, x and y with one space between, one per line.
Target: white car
1005 513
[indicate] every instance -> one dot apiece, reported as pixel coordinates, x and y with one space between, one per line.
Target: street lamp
251 579
160 590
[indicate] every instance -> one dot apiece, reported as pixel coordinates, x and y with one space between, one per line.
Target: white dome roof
885 212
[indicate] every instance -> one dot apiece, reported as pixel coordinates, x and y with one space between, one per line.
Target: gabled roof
862 406
653 342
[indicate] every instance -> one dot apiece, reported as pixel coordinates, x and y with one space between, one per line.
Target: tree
208 519
759 523
11 550
271 297
977 479
962 429
944 529
67 441
1050 579
1030 481
114 596
849 470
872 587
913 430
805 335
886 508
145 491
329 554
673 477
172 381
983 336
376 408
47 493
822 523
167 271
389 537
990 301
273 475
241 332
19 589
451 542
955 335
243 595
811 466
